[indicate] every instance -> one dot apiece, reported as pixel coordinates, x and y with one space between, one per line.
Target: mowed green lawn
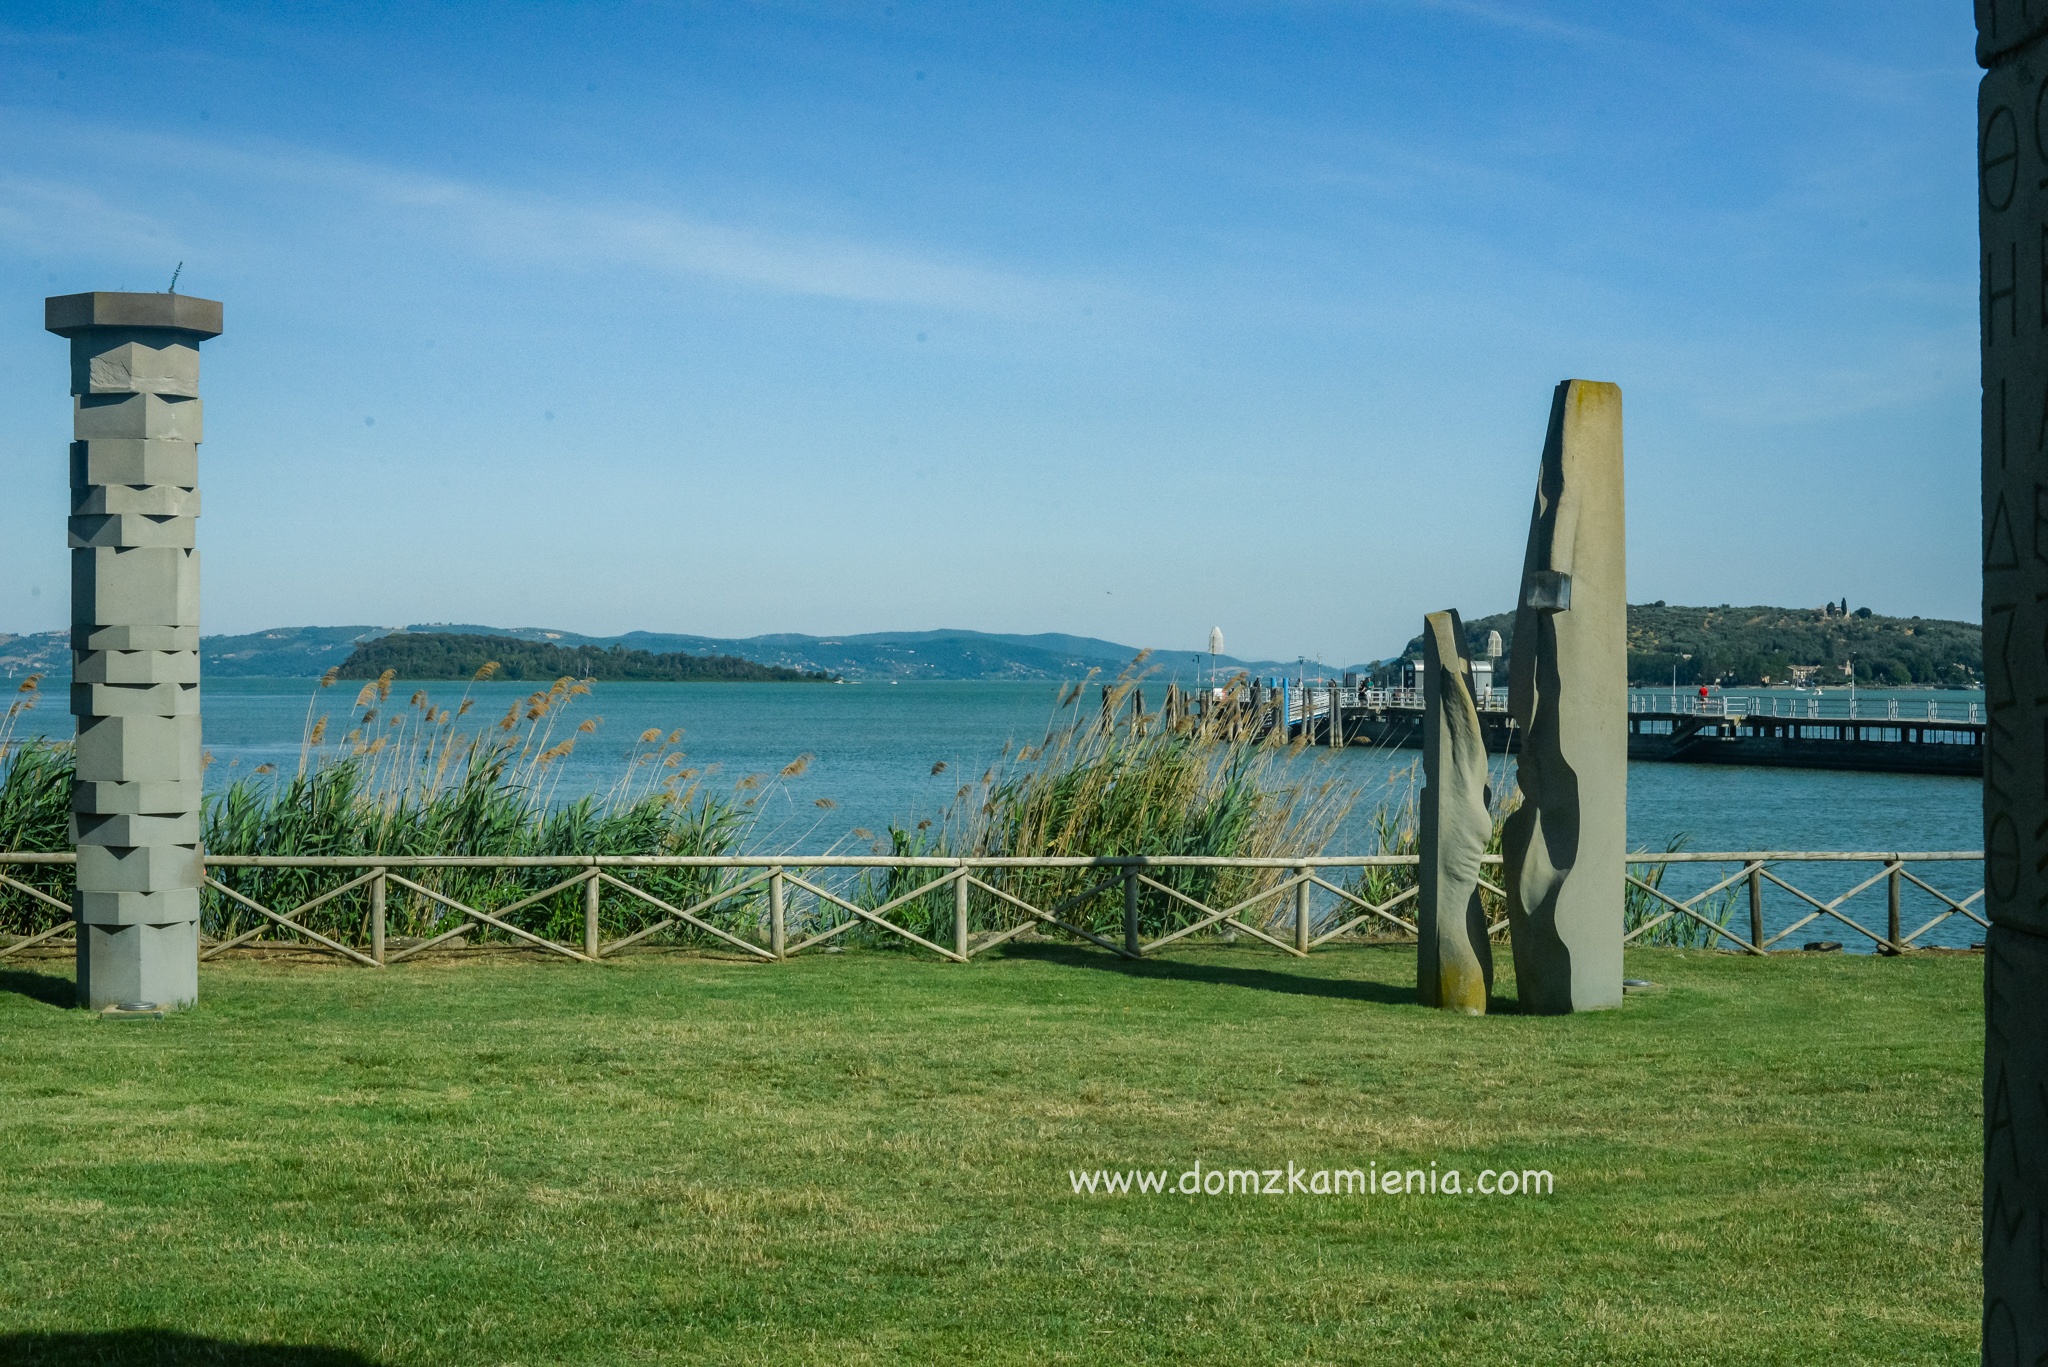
864 1158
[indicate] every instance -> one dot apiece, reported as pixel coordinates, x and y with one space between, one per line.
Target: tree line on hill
1745 646
452 655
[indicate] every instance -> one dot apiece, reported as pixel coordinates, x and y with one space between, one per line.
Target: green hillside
452 655
1757 645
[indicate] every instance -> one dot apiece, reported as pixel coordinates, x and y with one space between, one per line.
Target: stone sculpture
2012 203
1564 849
135 640
1454 968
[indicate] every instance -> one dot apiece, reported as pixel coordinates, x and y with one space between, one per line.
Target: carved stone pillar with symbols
2012 217
135 640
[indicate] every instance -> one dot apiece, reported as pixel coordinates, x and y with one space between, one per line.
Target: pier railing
1315 701
377 911
1815 709
1311 703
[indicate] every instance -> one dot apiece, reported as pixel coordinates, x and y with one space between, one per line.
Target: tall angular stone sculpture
2012 204
1564 848
135 639
1454 968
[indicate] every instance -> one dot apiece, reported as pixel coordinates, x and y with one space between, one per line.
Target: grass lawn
864 1158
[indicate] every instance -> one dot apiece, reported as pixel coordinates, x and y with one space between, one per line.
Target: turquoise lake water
874 747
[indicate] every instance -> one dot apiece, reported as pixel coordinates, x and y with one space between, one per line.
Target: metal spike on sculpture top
135 640
1454 967
1563 850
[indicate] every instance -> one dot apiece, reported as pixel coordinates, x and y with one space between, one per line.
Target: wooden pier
1881 735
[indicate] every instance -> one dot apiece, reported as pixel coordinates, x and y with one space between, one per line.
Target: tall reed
413 780
1121 783
1678 930
1396 830
35 810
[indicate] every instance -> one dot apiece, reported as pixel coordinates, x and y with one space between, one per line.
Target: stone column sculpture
135 640
1564 849
1454 965
2012 204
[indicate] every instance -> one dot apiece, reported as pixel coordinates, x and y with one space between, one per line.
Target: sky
1123 320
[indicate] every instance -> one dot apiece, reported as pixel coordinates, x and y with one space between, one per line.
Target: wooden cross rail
764 894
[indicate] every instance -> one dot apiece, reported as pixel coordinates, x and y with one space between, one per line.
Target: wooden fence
775 907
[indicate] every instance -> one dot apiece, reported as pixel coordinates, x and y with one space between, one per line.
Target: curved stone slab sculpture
1454 966
1564 849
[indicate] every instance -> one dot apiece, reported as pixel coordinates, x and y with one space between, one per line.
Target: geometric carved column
135 639
2012 219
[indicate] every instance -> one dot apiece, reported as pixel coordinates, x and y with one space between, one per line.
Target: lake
874 745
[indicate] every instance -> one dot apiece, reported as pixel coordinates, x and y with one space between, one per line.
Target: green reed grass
1678 931
420 778
414 780
1160 783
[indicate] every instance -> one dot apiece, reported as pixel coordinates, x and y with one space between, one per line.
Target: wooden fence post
1756 909
591 892
377 917
1131 912
778 929
960 891
1301 911
1891 899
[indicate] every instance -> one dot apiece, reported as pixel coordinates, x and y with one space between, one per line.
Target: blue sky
1121 320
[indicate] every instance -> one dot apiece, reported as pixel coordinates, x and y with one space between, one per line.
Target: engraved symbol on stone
1998 1125
1999 551
1994 294
2002 856
1998 158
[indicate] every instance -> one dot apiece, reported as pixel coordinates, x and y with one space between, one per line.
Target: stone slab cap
126 460
138 868
125 530
134 667
135 908
135 699
114 797
68 315
85 637
149 500
137 417
127 831
2004 26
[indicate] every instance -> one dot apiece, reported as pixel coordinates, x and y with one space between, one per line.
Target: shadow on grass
1258 979
47 988
165 1348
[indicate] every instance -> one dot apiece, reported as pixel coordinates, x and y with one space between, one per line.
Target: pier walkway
1870 733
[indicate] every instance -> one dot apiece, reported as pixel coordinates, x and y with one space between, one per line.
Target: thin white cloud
526 228
56 218
1522 19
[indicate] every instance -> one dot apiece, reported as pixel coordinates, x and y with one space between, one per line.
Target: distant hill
285 652
452 655
305 652
1745 646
